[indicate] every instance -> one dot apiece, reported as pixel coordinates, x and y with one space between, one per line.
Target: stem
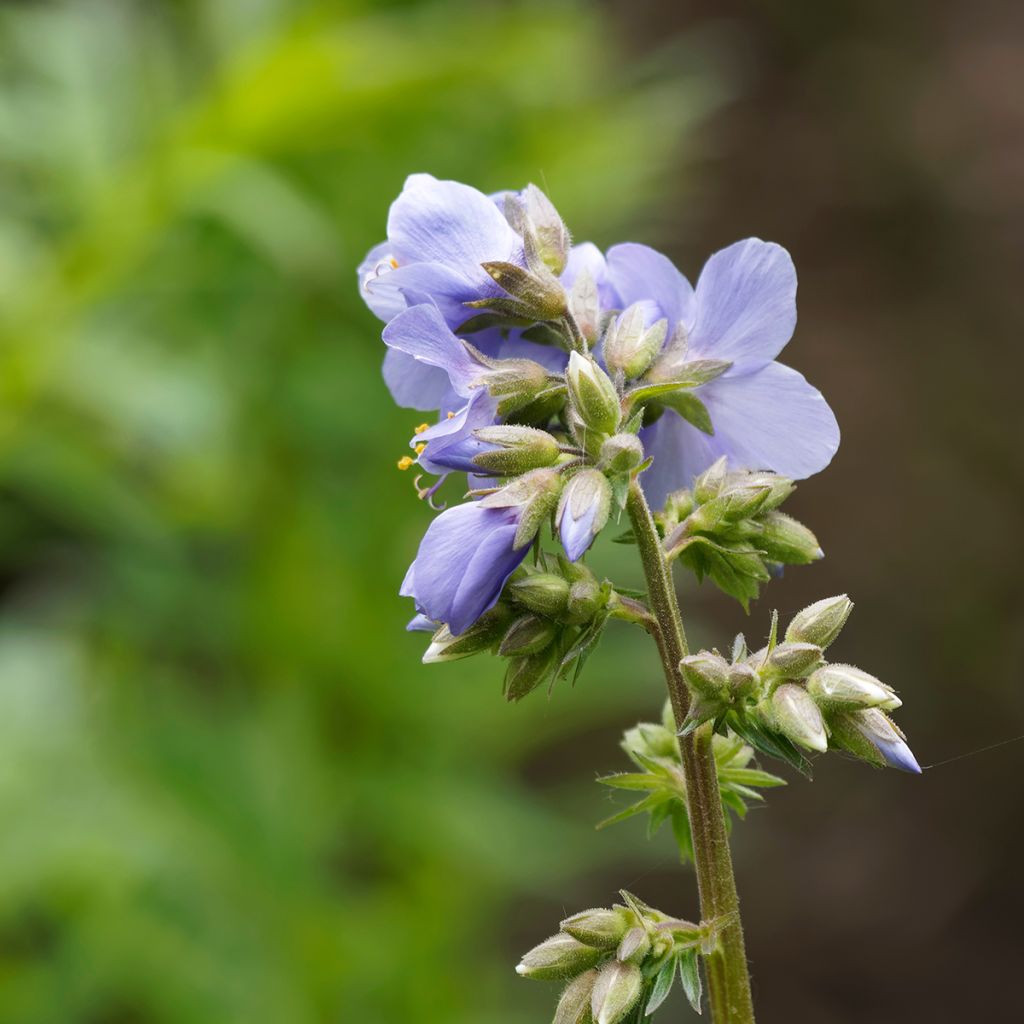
726 967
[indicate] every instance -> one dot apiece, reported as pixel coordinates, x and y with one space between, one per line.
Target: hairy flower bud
518 449
743 681
794 660
635 945
616 992
583 511
785 540
540 295
845 686
558 958
574 1003
629 344
797 717
550 230
600 928
482 635
820 623
529 634
544 592
872 735
622 453
592 394
710 482
705 673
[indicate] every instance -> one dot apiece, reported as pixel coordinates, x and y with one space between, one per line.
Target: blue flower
463 562
876 728
743 310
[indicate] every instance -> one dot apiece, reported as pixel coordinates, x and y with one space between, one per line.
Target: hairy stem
728 979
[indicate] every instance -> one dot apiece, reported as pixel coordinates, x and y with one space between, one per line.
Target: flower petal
491 565
413 384
450 223
421 332
770 419
384 301
450 442
745 304
639 273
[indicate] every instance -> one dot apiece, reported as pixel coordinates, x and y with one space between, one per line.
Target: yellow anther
405 462
393 262
420 449
451 415
421 428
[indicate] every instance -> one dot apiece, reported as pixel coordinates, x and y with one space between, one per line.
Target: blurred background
228 790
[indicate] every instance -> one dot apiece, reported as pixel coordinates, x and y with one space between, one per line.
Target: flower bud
873 736
622 453
583 511
710 482
794 660
535 493
616 992
529 634
525 674
600 928
629 344
635 945
586 599
743 681
592 394
558 958
785 540
574 1003
482 635
705 673
516 383
544 233
543 592
541 295
844 686
797 717
518 449
820 623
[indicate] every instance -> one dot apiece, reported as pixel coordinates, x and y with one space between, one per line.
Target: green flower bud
705 673
678 505
541 295
536 493
534 216
592 394
844 686
585 305
586 599
543 592
530 634
600 928
481 636
519 449
635 945
622 453
710 482
558 958
797 717
743 681
525 674
583 510
779 487
574 1003
630 345
794 660
821 622
515 382
615 992
785 540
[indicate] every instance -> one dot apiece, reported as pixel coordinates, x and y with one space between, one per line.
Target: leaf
682 833
658 817
692 409
771 744
753 777
626 537
648 803
689 976
661 987
630 780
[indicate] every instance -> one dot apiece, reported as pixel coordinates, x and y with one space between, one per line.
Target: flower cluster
559 373
785 697
620 961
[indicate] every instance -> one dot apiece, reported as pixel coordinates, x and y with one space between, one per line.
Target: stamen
421 428
405 462
420 448
393 262
451 415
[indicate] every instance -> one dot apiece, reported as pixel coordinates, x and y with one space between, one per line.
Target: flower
583 511
764 415
463 562
887 740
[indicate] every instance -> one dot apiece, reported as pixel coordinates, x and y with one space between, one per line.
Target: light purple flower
743 310
462 564
882 735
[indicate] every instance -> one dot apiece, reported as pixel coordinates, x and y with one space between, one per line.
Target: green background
228 790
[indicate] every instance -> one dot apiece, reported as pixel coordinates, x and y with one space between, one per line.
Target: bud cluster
548 619
620 962
785 698
654 749
728 527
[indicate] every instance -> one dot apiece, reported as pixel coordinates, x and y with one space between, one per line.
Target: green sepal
662 986
689 977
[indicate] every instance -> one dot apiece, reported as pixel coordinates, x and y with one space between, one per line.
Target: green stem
728 979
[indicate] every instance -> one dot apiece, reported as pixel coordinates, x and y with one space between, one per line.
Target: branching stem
728 978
